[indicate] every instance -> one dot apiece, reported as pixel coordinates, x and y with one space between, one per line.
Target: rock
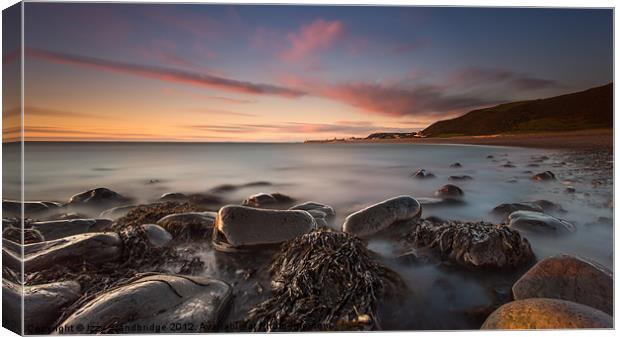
570 190
13 208
505 210
174 196
191 225
480 244
157 236
570 278
316 206
460 178
544 176
43 303
490 156
29 235
94 248
98 198
508 165
264 200
190 303
52 230
68 216
117 212
386 215
449 192
546 313
422 174
240 226
456 165
539 222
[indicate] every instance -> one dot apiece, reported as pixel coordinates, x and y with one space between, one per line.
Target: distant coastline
581 139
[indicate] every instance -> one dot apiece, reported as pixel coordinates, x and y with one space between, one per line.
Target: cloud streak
476 75
311 38
340 127
166 74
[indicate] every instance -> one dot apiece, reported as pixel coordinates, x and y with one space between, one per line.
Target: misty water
352 176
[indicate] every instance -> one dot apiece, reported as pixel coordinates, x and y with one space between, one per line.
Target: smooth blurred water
350 177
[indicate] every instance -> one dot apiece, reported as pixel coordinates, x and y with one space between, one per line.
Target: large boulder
13 208
93 248
539 222
187 303
478 244
52 230
98 198
449 192
390 214
570 278
43 303
237 227
265 200
547 313
191 225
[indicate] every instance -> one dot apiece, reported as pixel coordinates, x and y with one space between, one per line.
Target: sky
176 72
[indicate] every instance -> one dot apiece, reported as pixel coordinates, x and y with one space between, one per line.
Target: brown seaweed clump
324 280
474 244
150 214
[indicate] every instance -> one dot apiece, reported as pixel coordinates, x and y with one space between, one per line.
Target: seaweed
324 280
150 214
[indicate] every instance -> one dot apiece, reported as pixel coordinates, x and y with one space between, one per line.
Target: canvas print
199 168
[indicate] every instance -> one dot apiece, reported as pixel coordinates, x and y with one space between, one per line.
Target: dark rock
449 192
190 303
456 165
156 235
13 208
173 196
504 210
393 214
52 230
570 278
42 304
546 313
460 178
239 227
422 174
544 176
480 244
30 235
189 226
316 206
98 198
539 222
264 200
570 190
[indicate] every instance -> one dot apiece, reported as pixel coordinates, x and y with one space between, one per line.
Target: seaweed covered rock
422 174
145 214
239 227
52 230
193 304
43 303
189 226
539 222
546 313
449 192
265 200
98 198
324 280
390 214
570 278
476 244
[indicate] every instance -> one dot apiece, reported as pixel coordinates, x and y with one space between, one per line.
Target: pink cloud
311 38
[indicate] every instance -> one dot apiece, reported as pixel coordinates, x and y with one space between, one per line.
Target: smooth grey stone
379 217
157 236
539 222
56 229
316 206
193 304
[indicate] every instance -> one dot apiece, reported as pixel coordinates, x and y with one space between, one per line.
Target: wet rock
549 206
93 248
316 206
480 244
13 208
240 226
570 278
449 192
539 222
456 165
504 210
191 225
173 196
98 198
205 200
158 237
264 200
67 216
52 230
570 190
116 212
30 235
508 165
490 156
193 304
152 213
544 176
460 178
546 313
422 174
389 214
43 303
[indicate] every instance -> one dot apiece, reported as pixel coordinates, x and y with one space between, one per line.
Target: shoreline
579 140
